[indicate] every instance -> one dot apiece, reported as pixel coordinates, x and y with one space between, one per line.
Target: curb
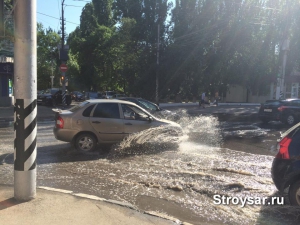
123 204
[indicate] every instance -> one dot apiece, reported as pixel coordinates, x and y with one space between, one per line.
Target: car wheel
294 193
85 142
290 120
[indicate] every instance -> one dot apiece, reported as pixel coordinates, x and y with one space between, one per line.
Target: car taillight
283 147
59 122
281 108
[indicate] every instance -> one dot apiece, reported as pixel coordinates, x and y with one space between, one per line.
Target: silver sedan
103 121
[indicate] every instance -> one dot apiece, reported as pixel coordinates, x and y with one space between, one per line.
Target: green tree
47 56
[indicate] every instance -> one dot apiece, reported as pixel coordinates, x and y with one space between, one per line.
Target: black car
152 108
53 97
92 95
287 111
286 164
77 96
108 94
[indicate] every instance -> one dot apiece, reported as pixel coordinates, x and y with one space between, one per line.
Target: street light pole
63 49
25 91
285 49
157 66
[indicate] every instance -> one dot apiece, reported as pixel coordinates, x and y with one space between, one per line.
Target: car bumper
269 117
279 172
66 135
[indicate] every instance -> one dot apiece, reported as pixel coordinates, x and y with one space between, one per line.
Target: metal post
63 48
157 66
285 49
2 18
25 109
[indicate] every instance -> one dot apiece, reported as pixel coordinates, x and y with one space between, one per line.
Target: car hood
43 95
168 122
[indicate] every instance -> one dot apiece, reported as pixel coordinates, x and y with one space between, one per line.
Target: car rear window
286 133
87 111
79 106
272 102
107 110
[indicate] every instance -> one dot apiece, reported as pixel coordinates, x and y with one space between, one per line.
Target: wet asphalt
220 154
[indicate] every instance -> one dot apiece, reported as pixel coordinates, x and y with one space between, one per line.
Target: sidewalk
60 207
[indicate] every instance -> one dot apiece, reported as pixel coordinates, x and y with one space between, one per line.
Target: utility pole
2 18
157 66
284 48
51 74
63 74
25 91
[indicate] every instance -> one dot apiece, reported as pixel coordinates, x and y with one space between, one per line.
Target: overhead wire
56 18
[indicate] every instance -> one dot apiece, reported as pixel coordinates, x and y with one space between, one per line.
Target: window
79 106
107 110
148 105
133 113
87 111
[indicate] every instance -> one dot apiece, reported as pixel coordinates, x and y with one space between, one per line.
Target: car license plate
40 100
267 110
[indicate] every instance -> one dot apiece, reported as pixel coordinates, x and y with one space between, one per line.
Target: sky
49 13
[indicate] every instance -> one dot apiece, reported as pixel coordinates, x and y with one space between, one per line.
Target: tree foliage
47 60
204 45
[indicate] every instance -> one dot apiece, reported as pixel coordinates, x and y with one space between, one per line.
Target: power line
56 18
74 5
81 1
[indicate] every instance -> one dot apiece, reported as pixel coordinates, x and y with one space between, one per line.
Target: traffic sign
63 68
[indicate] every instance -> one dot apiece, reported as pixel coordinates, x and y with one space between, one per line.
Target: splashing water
201 129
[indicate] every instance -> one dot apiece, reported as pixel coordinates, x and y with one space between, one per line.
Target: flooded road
183 179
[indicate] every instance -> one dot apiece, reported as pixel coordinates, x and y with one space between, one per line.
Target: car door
135 120
106 121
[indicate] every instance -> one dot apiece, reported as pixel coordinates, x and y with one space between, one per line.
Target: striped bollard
64 98
25 128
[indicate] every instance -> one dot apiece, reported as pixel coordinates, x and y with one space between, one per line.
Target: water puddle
183 175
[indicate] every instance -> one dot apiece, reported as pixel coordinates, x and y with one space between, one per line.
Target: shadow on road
65 152
277 214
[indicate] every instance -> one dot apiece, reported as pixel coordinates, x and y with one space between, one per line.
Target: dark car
77 96
108 94
287 111
92 95
286 164
152 108
118 95
53 97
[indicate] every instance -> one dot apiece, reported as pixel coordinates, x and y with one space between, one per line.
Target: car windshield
50 91
79 106
148 105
